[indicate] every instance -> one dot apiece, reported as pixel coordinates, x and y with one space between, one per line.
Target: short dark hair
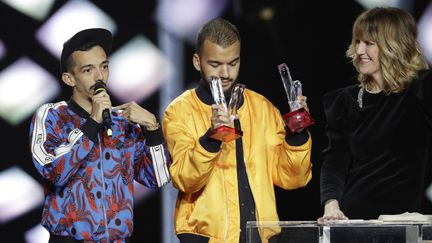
84 41
218 31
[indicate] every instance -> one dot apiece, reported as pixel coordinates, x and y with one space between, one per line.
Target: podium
349 231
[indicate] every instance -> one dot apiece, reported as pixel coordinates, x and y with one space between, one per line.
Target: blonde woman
379 129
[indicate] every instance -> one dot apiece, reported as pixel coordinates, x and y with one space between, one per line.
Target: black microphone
106 117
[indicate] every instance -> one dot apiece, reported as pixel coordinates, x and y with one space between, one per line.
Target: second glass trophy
298 118
226 133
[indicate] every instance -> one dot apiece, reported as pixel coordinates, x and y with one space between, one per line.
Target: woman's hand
332 212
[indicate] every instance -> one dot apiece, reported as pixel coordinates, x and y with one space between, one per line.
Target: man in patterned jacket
89 153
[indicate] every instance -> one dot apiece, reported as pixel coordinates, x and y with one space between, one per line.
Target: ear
68 79
196 62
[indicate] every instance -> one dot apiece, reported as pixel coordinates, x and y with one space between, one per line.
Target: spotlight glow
37 234
184 18
404 4
425 33
37 9
21 193
24 86
2 50
136 70
141 192
74 16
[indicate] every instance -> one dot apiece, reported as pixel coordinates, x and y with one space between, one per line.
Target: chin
227 91
364 71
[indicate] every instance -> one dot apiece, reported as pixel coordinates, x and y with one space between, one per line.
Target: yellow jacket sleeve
293 169
192 164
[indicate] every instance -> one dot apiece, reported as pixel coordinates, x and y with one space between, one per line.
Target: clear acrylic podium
367 231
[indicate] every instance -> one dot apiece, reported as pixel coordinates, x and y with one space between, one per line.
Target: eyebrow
86 66
91 65
218 62
235 59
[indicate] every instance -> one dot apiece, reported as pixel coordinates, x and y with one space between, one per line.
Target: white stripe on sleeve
159 164
40 135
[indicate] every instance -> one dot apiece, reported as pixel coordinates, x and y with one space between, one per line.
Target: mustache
94 85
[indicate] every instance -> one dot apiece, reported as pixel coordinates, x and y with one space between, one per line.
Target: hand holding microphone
101 106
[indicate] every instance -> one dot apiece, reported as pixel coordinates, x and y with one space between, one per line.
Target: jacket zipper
226 206
226 195
103 191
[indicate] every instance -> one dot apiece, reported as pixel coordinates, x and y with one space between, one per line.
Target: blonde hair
395 34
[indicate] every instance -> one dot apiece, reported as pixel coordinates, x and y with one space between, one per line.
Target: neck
83 102
371 88
376 85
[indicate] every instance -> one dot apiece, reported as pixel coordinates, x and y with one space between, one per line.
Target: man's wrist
153 126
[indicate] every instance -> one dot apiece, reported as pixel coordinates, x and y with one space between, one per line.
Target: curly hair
395 33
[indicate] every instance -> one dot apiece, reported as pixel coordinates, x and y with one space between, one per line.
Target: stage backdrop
151 63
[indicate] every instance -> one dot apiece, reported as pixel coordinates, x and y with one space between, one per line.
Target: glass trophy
226 133
298 118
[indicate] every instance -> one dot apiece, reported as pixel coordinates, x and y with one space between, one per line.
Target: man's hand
100 102
302 101
219 116
136 114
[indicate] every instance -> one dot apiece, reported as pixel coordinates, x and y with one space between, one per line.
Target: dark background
310 36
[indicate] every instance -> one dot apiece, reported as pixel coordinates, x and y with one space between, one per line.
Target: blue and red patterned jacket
89 175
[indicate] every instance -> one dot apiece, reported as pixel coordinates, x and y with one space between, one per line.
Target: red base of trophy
297 119
225 133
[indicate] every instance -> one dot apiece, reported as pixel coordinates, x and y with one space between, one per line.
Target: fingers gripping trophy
224 132
298 118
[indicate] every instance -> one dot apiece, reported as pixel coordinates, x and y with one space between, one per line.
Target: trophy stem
298 118
226 133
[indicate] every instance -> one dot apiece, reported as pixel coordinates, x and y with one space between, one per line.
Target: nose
99 75
224 72
360 49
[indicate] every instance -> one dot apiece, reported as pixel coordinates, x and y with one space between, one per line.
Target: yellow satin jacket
207 202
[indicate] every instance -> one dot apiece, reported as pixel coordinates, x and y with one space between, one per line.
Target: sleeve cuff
155 137
90 128
210 144
296 139
328 198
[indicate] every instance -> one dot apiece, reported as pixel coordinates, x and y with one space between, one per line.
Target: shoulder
51 108
182 102
423 81
344 94
255 97
340 101
348 92
183 99
260 104
425 75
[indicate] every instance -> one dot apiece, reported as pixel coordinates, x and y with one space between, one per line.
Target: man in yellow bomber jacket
222 185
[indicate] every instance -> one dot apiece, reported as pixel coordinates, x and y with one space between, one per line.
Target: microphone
106 117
